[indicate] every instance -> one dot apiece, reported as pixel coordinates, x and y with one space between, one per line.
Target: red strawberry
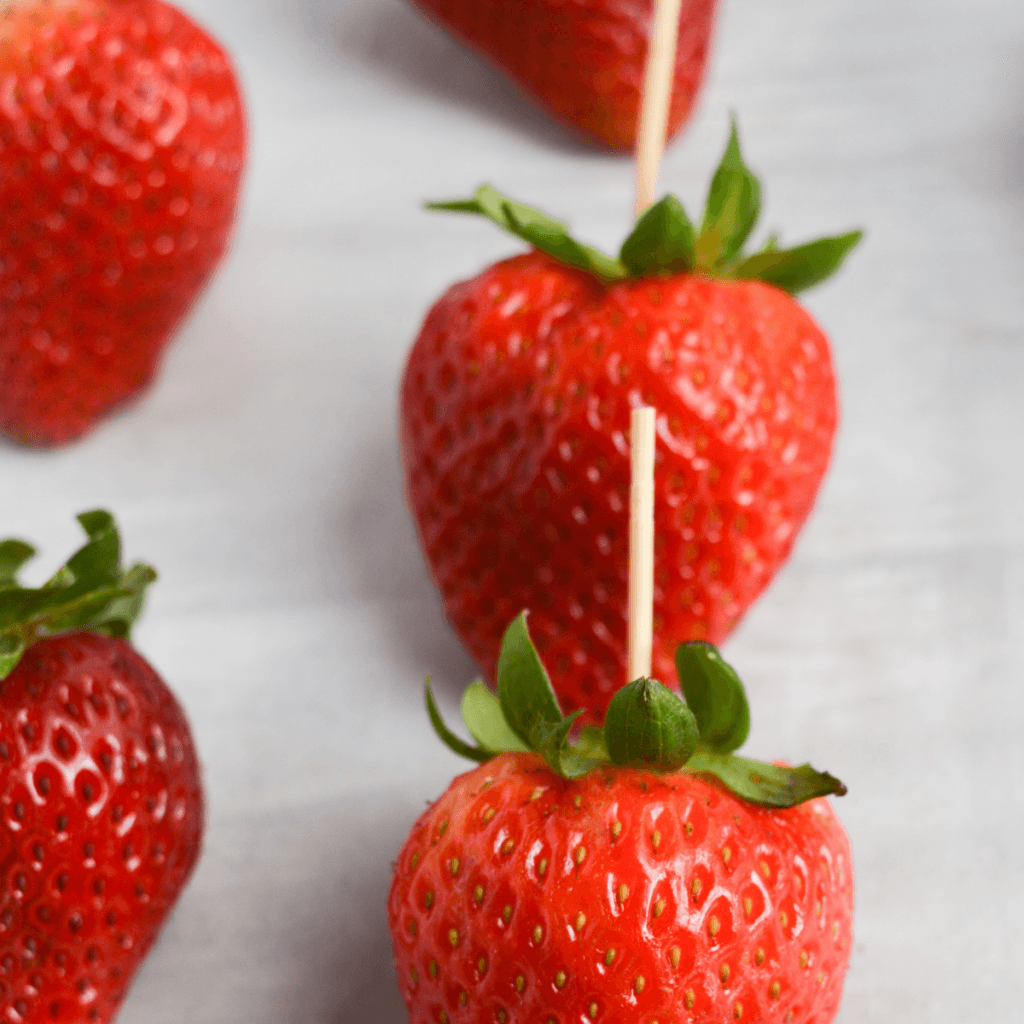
100 791
515 412
583 890
584 61
121 147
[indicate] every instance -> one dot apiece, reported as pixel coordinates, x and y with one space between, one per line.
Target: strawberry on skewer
101 801
584 62
643 872
515 403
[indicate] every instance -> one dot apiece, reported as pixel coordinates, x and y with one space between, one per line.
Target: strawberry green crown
91 591
647 725
665 241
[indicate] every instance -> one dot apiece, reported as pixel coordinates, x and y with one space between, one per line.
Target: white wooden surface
295 617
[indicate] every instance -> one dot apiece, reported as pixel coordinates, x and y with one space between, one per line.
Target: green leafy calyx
647 725
715 694
91 591
664 241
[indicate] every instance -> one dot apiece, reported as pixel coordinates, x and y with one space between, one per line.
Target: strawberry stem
91 591
647 725
663 239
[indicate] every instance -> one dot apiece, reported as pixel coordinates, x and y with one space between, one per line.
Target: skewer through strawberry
515 405
642 872
584 62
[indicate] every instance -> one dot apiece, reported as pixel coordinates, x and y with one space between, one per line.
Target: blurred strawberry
122 142
583 61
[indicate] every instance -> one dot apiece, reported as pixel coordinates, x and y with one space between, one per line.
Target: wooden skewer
641 543
658 78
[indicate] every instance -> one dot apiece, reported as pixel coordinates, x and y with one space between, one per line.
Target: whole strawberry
101 803
645 874
122 141
583 62
514 423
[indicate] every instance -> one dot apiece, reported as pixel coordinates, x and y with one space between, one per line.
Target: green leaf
589 752
13 555
592 743
17 605
12 647
541 231
732 208
450 740
524 690
61 579
77 611
648 726
766 784
91 591
662 241
481 711
127 608
98 562
559 243
574 763
26 608
553 740
120 628
795 270
97 523
715 696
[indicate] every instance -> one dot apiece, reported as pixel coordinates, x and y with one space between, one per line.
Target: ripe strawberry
121 147
101 804
584 890
515 413
583 62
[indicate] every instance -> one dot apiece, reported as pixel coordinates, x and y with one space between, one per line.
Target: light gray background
295 617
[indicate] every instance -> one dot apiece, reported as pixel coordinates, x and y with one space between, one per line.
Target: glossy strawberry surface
622 896
101 819
515 411
122 143
583 61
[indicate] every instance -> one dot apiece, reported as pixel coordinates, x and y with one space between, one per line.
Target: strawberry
122 141
645 874
100 793
583 62
515 414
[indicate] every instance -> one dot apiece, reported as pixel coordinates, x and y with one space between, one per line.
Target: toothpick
658 78
641 542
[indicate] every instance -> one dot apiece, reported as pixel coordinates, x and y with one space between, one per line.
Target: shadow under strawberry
378 553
